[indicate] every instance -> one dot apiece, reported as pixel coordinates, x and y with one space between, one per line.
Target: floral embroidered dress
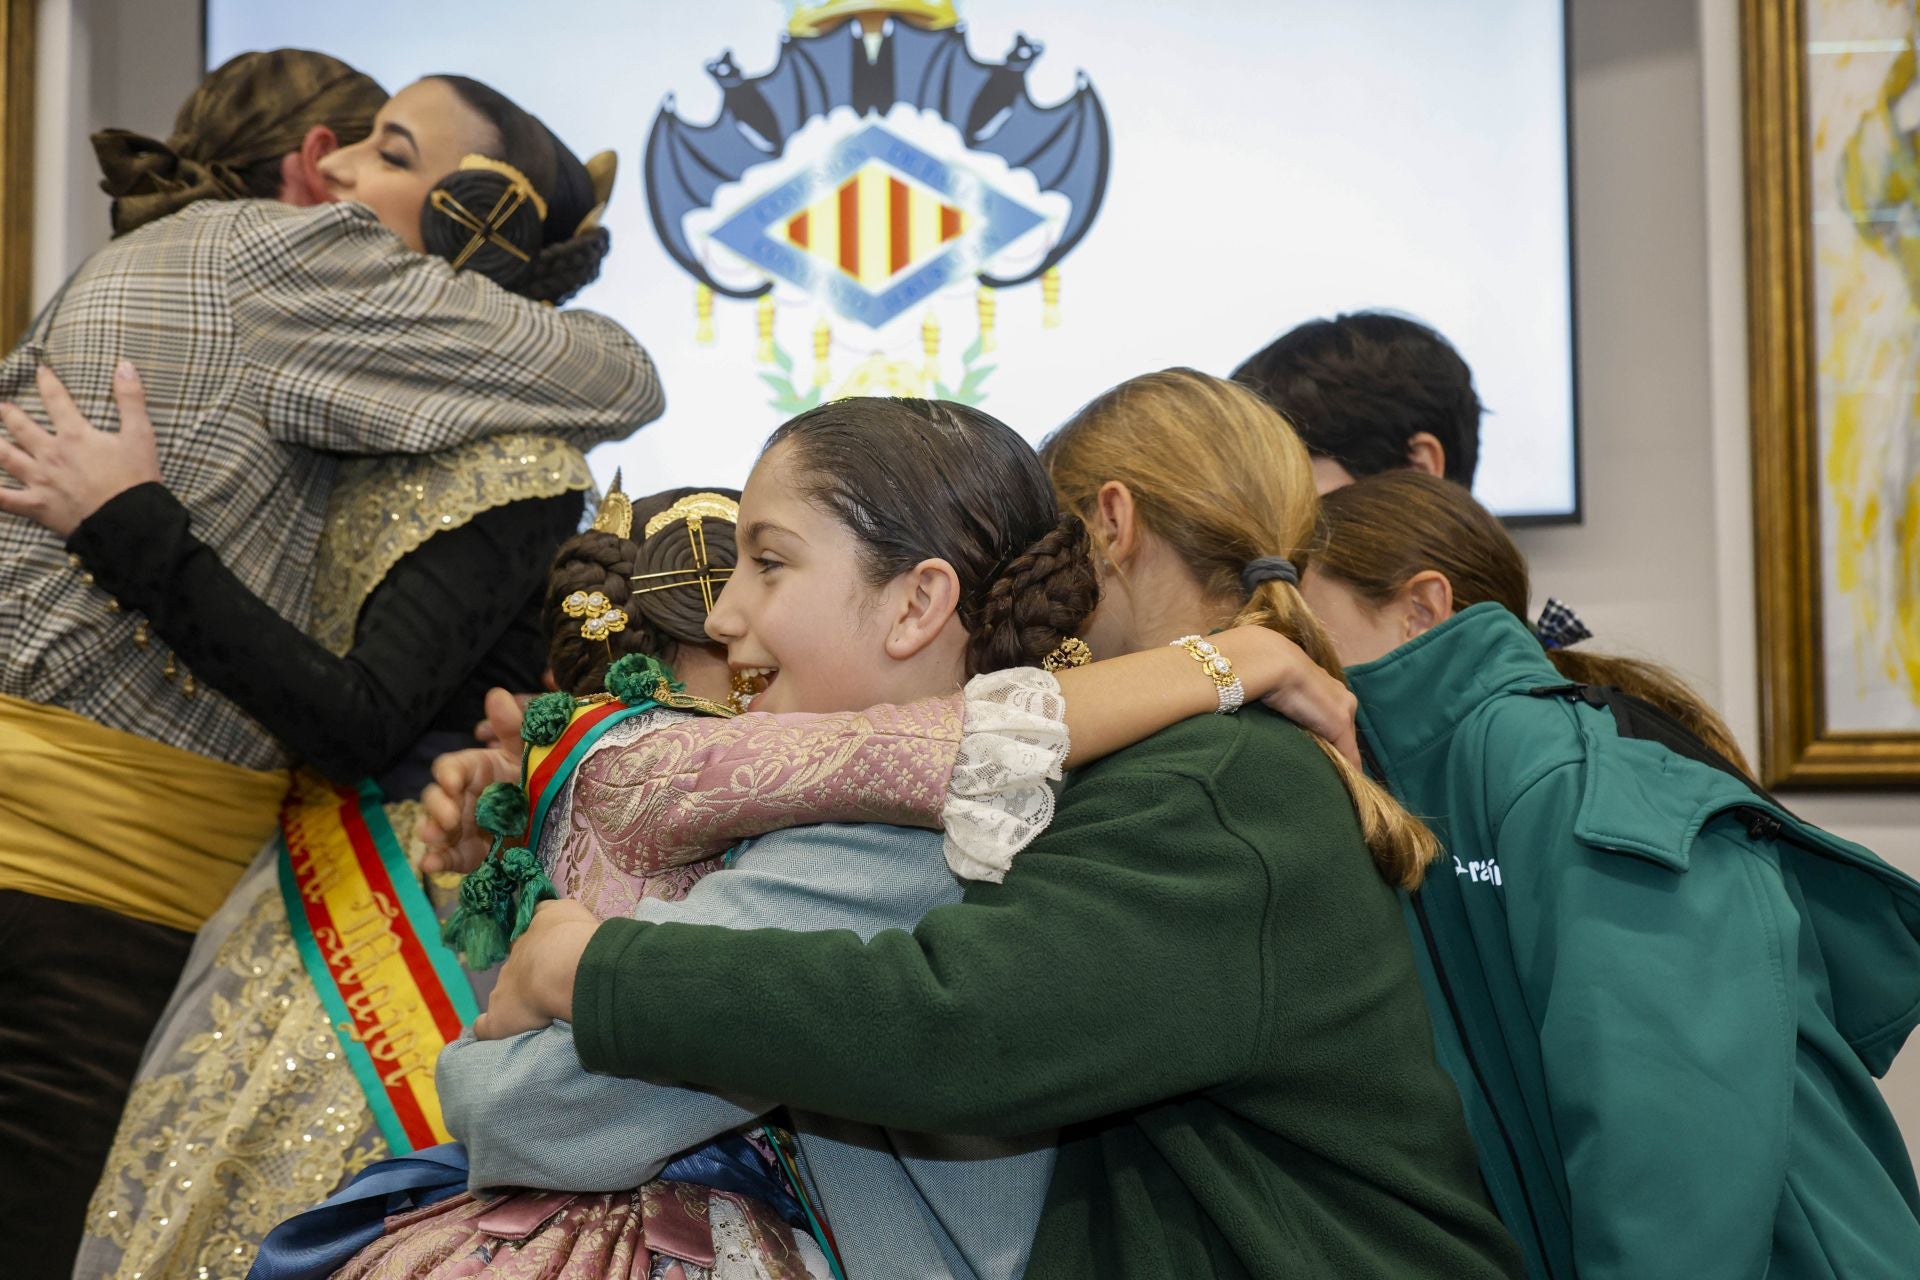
642 815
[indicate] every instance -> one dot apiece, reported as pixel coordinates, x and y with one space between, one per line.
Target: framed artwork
1833 242
16 167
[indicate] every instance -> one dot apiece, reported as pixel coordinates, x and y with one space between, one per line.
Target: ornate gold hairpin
695 509
486 230
711 506
1071 652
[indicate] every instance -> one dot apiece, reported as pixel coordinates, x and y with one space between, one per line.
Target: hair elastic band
1268 569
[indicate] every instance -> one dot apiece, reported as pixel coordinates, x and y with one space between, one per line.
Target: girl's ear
1427 599
1116 524
920 601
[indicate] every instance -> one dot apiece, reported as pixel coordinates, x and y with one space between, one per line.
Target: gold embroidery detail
383 508
251 1119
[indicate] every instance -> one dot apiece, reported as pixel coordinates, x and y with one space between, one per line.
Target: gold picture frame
16 168
1817 628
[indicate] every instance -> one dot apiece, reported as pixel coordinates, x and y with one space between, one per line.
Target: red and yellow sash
371 944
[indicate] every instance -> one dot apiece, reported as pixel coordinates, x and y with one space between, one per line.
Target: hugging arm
977 764
1037 1003
359 345
421 634
531 1115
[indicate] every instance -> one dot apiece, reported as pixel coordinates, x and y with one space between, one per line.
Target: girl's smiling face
798 606
418 138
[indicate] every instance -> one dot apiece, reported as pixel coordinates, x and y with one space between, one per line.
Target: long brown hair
1220 477
1379 532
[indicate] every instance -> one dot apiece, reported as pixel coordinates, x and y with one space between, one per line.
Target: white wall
1663 564
100 63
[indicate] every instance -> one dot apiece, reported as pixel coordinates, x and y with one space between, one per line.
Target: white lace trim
1013 744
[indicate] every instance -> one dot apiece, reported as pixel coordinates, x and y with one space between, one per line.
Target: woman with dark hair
1663 996
425 595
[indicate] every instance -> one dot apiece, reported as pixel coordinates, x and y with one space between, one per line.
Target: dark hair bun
1042 598
680 612
656 620
467 198
562 270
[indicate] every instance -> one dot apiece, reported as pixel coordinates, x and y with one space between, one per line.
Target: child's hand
536 983
1279 673
454 842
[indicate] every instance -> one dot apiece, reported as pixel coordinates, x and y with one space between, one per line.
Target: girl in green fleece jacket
1663 996
1199 973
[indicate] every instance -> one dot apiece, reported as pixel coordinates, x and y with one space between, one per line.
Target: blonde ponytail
1219 476
1402 845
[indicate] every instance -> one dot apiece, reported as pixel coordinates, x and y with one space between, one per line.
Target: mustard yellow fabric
93 815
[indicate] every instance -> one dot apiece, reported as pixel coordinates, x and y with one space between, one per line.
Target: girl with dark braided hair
633 827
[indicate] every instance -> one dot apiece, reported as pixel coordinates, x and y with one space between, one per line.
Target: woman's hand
454 842
1279 673
536 983
69 473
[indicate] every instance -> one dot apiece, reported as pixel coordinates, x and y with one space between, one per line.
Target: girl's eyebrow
760 530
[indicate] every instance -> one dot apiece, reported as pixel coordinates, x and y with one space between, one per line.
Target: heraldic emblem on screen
878 186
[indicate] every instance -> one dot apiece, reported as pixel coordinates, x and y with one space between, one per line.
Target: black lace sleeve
452 618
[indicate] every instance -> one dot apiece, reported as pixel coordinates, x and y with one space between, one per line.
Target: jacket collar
1420 693
1636 797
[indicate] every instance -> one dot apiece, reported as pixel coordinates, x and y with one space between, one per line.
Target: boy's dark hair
1360 386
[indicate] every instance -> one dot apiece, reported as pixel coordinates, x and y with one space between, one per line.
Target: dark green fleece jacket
1197 974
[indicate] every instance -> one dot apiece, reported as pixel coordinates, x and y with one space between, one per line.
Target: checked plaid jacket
271 340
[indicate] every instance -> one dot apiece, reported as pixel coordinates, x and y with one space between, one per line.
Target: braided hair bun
1042 597
564 269
657 621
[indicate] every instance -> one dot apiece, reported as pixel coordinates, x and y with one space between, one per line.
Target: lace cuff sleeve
1012 748
977 764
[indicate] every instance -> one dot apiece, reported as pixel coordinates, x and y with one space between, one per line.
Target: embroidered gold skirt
244 1111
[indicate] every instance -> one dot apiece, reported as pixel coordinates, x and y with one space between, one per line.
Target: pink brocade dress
644 815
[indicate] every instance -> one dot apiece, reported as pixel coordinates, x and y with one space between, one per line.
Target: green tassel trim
547 718
477 929
501 811
640 676
522 868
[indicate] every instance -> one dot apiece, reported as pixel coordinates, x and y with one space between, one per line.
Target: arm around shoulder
361 345
1136 922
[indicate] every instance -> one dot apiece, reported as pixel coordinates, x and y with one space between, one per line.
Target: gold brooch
1071 652
602 616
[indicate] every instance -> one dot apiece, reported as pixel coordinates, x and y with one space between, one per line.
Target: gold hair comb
615 512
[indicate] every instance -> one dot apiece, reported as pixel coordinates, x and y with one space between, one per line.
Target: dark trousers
80 990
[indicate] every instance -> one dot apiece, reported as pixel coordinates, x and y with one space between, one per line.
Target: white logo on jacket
1487 871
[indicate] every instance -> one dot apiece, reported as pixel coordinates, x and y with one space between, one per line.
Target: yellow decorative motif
929 15
383 508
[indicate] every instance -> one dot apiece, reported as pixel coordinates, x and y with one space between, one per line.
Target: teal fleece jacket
1196 973
1665 999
